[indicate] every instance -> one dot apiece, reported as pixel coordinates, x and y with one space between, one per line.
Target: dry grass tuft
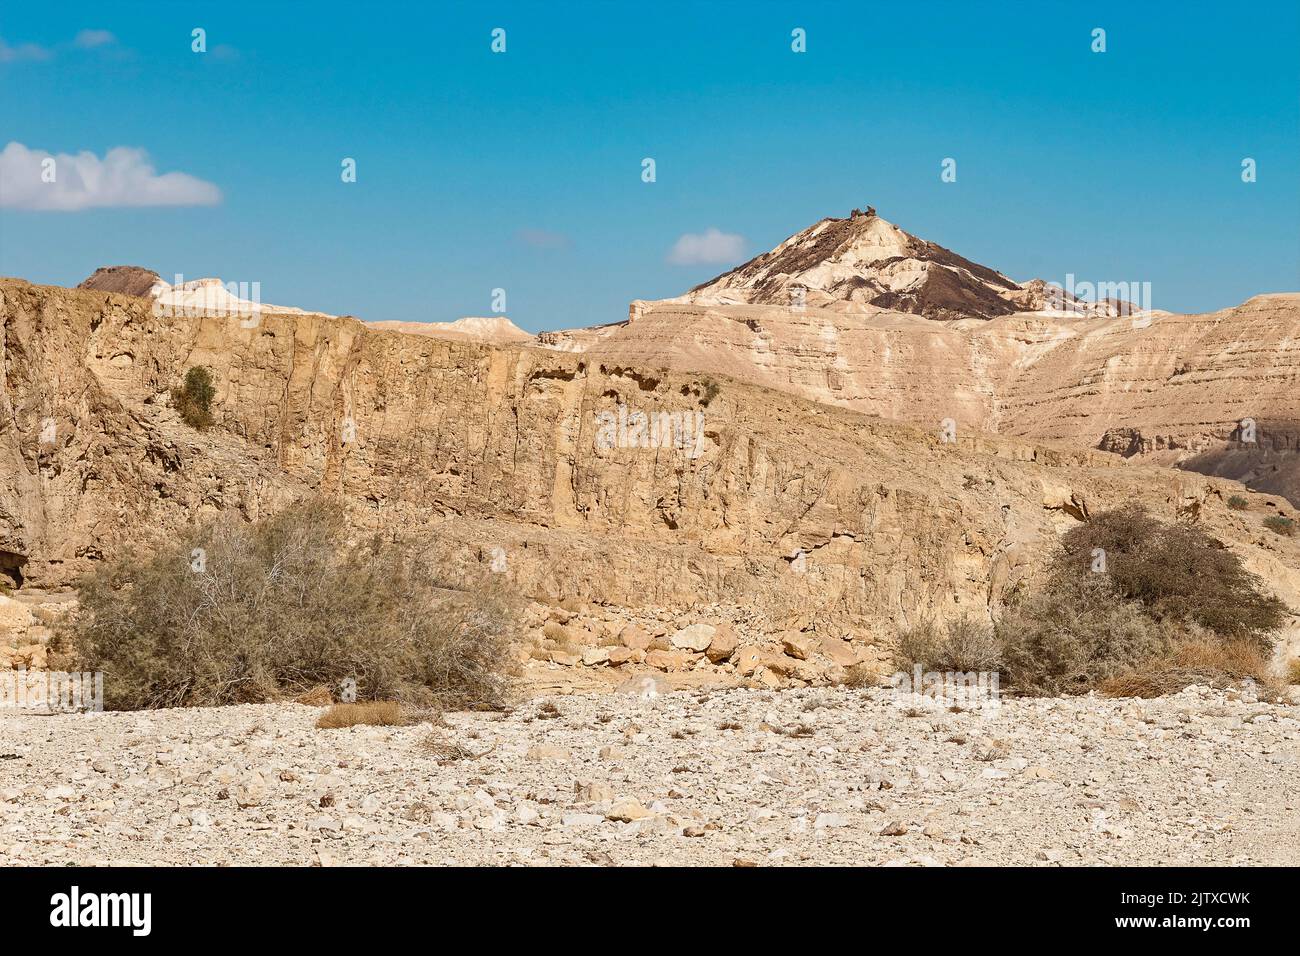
318 696
443 749
548 711
373 713
964 645
860 676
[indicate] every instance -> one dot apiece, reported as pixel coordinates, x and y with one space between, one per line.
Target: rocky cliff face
747 497
1171 389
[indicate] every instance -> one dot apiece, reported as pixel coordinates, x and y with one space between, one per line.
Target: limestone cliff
1172 389
502 447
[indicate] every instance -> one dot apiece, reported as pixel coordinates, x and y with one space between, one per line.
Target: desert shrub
1238 503
1176 571
858 676
194 399
1281 524
1293 672
239 613
965 644
1173 607
711 390
1074 633
373 713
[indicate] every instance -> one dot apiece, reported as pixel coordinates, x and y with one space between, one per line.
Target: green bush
240 613
1176 571
194 399
1164 585
1238 503
1280 524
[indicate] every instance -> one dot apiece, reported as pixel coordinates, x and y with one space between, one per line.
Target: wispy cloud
711 247
23 52
89 39
35 179
543 239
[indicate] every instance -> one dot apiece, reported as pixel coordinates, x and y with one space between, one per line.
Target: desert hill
864 260
895 326
124 280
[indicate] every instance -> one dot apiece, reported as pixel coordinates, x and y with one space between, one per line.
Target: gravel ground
729 777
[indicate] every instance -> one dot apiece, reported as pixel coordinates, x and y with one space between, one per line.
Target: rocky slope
818 776
503 451
1172 389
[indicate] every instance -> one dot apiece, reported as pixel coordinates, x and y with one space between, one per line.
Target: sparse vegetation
1280 524
858 676
374 713
965 645
711 390
239 613
1172 603
1073 634
548 711
194 399
1238 503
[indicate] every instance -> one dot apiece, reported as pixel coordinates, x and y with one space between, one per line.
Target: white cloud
88 39
709 247
124 177
24 51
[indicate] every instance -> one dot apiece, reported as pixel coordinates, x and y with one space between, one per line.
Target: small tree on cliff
194 399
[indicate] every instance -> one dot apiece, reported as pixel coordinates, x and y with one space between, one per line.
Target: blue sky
522 170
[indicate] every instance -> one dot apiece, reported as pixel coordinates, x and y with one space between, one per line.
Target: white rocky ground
815 776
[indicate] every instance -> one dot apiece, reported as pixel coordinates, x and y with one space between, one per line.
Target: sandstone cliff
500 447
1173 389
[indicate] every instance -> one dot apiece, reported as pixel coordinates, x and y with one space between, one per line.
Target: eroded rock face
500 449
1213 393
